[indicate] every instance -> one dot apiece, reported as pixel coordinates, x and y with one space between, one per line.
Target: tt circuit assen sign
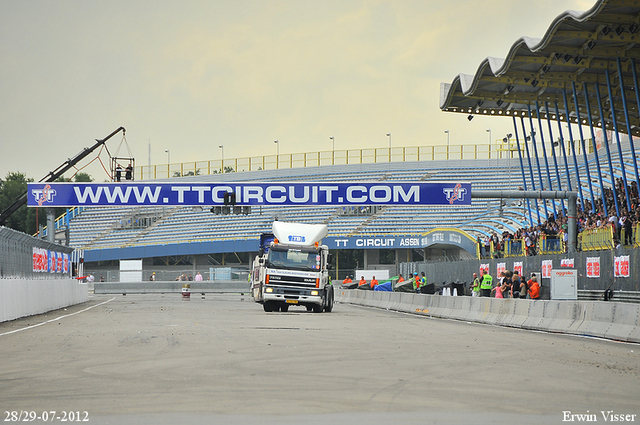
210 194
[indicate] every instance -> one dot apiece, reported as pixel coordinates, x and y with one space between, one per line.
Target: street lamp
389 135
333 149
168 162
222 160
447 133
489 151
277 153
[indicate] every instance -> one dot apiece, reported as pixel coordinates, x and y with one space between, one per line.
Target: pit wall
611 320
24 297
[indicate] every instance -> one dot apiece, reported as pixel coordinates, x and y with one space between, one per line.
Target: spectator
128 172
534 288
486 284
475 286
499 291
198 277
515 285
628 231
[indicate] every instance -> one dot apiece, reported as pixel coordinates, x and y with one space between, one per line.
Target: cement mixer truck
292 269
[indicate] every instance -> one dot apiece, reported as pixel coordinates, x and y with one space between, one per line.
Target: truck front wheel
268 306
329 305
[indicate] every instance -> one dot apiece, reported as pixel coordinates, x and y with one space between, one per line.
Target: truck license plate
291 301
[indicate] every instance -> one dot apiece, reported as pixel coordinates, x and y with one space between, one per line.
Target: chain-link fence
25 257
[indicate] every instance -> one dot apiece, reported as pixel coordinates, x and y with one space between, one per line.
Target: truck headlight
314 293
269 290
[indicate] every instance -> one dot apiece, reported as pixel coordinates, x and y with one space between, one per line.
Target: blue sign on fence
210 194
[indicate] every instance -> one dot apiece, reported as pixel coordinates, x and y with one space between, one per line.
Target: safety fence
25 257
499 149
316 159
596 239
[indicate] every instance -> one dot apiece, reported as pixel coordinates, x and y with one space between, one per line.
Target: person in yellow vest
486 284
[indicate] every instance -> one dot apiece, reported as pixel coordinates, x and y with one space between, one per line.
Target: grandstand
110 232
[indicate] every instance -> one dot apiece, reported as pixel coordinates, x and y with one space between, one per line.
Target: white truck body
293 269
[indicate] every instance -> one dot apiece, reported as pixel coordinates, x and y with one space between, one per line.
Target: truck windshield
296 259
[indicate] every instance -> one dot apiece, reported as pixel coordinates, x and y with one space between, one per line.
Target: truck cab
292 269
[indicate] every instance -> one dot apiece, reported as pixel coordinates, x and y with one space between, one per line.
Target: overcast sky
189 75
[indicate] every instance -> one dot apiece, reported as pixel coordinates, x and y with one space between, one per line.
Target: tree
12 188
83 178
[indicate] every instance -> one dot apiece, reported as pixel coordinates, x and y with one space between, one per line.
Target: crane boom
53 175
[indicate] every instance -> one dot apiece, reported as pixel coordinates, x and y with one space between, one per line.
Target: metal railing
514 248
550 244
497 150
596 239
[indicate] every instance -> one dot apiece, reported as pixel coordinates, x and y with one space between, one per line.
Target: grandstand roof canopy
581 48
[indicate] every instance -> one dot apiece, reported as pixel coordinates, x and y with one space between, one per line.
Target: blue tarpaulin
386 286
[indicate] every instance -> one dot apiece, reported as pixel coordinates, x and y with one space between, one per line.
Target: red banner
593 267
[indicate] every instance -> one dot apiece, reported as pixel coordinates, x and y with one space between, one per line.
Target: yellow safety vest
487 282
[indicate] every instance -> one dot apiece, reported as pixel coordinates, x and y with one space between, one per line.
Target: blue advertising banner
254 194
441 236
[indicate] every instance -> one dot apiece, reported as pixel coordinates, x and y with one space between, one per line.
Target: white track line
57 318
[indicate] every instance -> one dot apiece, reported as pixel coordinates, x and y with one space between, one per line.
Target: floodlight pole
572 197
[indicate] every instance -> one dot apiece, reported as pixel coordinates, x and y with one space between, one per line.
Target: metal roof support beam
626 117
584 149
535 150
573 151
606 144
520 194
595 148
544 155
526 147
564 152
615 129
524 179
553 153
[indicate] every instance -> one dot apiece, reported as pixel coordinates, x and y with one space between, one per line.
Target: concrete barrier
625 322
160 287
611 320
26 297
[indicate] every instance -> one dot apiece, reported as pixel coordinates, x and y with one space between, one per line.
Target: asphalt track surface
156 359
